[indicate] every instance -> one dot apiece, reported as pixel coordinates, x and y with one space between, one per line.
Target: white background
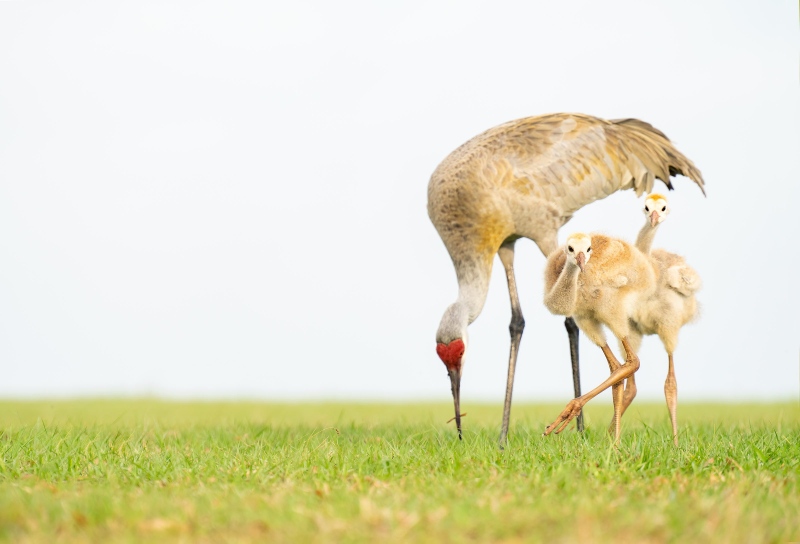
228 199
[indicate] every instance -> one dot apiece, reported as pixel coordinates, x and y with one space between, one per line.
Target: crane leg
635 341
622 372
573 333
629 394
671 393
517 325
626 395
617 394
623 397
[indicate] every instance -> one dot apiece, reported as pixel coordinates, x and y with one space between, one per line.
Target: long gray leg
516 327
573 332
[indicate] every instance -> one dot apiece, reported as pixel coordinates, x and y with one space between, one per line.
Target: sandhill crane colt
633 294
656 210
526 178
600 280
671 307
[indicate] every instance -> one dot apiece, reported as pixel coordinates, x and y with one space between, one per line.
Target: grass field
100 471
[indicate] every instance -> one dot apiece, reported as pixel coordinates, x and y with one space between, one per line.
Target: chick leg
671 393
617 393
575 405
635 341
630 392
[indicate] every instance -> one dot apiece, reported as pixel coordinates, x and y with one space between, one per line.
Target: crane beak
452 355
581 258
455 384
654 218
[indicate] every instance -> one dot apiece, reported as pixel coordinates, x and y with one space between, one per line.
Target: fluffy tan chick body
673 303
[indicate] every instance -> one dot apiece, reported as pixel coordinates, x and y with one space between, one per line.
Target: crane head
578 249
656 208
451 344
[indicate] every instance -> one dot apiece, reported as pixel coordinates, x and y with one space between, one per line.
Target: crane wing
572 160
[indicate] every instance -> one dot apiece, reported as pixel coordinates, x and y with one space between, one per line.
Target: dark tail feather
656 148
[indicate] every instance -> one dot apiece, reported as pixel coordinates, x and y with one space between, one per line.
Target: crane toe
569 413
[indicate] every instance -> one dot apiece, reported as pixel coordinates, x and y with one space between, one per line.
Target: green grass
100 471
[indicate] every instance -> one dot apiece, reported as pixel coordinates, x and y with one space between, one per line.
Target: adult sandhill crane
600 280
526 178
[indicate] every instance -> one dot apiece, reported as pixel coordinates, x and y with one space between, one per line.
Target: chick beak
654 218
581 258
455 383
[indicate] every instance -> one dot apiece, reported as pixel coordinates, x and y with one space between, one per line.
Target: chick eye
646 209
570 249
589 250
664 209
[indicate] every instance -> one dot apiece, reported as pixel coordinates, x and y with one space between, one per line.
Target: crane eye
570 249
664 209
646 209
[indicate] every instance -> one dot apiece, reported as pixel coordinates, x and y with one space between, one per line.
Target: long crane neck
562 298
473 285
644 241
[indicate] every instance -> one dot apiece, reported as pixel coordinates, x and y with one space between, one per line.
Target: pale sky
228 199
